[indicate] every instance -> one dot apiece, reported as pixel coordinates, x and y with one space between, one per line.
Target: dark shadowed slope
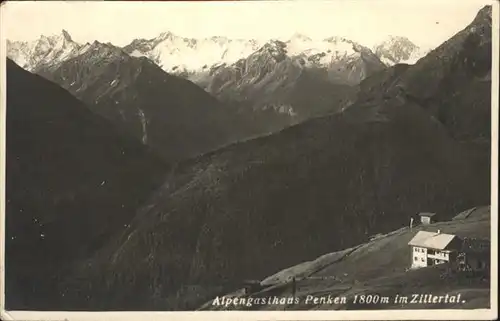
452 82
72 182
171 114
458 89
259 206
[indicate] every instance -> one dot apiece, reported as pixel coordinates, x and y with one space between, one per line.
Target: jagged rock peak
274 44
275 48
166 35
66 35
98 48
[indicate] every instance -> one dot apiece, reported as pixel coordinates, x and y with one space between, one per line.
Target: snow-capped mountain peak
46 50
178 54
397 49
197 58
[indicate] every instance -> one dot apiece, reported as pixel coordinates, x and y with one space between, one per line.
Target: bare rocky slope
299 86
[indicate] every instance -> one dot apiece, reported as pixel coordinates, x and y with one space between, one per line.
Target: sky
427 23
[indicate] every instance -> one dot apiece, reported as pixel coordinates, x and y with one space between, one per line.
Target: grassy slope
380 267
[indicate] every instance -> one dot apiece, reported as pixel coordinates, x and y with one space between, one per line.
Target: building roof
427 214
433 240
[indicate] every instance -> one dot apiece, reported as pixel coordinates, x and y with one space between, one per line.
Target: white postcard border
428 314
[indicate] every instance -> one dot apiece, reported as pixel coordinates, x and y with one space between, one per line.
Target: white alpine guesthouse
431 248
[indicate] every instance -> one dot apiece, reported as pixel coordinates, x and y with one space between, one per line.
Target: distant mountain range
191 57
194 57
265 85
277 85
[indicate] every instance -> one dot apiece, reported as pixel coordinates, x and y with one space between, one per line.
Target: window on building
422 259
415 258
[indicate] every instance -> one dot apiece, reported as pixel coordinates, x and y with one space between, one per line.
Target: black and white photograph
283 158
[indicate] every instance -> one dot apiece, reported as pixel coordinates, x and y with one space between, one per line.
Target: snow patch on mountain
144 126
192 56
327 50
177 54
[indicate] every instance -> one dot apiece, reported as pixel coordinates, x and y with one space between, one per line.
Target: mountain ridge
327 51
190 56
169 113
